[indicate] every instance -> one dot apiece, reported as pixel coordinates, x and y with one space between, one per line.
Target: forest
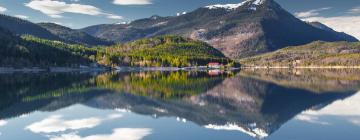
163 51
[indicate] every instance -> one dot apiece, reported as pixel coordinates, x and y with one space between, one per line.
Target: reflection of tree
29 92
316 80
244 101
159 84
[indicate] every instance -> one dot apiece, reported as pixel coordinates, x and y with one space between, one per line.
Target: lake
277 104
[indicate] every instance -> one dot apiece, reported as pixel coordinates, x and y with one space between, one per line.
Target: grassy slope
313 54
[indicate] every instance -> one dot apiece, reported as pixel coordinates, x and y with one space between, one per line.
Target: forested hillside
162 51
314 54
30 51
23 27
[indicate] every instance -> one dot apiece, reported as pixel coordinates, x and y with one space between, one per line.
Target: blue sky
82 13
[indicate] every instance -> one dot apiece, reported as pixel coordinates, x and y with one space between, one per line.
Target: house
214 65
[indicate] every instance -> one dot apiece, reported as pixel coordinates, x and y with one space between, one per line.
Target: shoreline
301 67
50 69
97 69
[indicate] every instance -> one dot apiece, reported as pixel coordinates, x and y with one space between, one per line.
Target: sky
341 15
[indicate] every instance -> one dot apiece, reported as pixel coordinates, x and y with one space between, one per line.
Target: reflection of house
214 65
214 72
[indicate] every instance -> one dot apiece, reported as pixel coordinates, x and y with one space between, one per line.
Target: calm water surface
249 104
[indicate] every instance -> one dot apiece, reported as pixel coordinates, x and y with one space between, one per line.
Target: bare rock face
238 30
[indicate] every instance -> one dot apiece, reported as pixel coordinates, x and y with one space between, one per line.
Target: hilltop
315 54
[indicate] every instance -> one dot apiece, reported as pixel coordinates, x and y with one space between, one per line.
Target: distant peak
235 6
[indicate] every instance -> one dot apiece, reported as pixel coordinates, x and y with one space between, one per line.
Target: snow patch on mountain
255 132
259 2
235 6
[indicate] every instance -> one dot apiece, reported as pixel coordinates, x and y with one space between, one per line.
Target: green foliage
172 51
32 51
314 54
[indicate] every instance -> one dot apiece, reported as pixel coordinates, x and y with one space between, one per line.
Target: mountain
73 36
238 30
314 54
29 51
20 27
226 102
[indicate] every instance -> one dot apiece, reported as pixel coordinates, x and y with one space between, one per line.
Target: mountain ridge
247 30
73 36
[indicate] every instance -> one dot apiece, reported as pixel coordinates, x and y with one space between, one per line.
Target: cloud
55 9
22 16
311 13
311 119
56 123
3 123
118 134
114 17
347 24
132 2
347 110
355 10
2 9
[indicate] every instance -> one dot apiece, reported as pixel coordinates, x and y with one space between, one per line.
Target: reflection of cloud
55 123
115 116
118 134
311 119
2 122
348 109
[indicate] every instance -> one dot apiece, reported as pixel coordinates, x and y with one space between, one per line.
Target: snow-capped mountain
238 30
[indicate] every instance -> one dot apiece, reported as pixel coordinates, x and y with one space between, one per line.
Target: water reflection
253 102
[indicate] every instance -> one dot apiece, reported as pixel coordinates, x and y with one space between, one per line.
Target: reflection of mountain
238 103
256 107
20 91
315 80
24 93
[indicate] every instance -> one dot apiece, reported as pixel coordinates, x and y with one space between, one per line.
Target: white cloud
310 119
22 16
55 9
355 10
347 109
2 9
347 24
132 2
114 17
311 13
2 122
57 124
118 134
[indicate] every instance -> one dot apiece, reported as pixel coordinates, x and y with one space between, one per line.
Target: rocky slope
238 30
